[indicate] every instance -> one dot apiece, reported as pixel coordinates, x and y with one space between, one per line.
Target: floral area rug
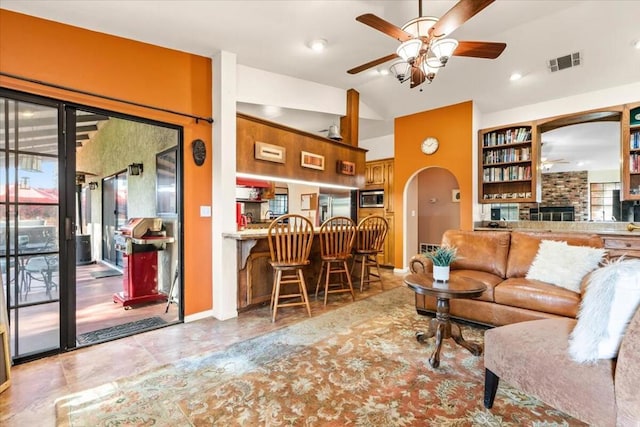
359 365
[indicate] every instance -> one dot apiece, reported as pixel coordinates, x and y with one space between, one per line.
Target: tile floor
30 401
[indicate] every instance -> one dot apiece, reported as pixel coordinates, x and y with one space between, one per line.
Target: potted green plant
442 257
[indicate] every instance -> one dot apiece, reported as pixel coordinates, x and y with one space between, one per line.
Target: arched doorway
431 199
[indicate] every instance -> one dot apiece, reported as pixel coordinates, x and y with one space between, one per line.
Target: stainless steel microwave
372 199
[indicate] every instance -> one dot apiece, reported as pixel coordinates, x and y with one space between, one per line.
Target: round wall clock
429 145
199 151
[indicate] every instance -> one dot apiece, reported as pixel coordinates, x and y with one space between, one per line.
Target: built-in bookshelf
508 166
632 154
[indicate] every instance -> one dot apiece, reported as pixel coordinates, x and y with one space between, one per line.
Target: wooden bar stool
290 237
336 242
370 235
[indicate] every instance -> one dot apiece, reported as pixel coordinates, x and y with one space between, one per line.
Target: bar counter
255 275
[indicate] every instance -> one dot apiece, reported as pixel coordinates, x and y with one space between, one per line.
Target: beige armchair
533 356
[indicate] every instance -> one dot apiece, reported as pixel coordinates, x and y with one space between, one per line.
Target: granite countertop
252 234
248 234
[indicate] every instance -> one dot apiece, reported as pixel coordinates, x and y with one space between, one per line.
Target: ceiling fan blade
386 27
417 77
458 15
373 63
487 50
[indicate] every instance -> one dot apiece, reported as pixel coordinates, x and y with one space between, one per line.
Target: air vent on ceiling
567 61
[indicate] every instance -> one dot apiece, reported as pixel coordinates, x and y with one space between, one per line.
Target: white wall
265 88
379 148
612 175
295 191
572 104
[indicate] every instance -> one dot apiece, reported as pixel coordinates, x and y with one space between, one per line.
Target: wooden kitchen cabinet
389 244
374 173
386 257
388 186
379 175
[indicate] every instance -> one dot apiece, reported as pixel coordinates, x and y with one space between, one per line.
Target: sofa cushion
524 247
482 251
488 279
564 265
538 296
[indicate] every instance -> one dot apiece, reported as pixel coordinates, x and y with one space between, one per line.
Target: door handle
69 228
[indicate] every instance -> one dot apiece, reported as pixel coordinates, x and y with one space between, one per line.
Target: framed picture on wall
312 161
270 152
166 182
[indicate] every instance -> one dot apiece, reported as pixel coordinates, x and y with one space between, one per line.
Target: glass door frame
66 122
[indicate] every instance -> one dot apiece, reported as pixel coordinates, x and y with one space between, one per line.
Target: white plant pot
441 273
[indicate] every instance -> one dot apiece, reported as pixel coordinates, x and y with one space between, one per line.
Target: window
604 196
279 205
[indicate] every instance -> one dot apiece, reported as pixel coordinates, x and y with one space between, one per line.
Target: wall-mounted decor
199 152
308 202
346 168
166 182
270 152
312 161
455 195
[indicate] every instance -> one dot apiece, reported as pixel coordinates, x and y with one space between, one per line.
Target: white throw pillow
564 265
610 301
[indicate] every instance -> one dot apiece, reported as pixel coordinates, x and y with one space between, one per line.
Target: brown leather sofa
501 260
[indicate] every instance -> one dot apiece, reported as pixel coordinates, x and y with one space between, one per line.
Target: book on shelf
507 155
634 140
507 173
508 136
634 163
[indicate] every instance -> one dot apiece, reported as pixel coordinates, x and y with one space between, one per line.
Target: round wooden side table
441 326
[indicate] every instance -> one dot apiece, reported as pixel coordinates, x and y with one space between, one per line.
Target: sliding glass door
30 223
63 197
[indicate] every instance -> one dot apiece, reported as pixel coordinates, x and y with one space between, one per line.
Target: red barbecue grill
140 240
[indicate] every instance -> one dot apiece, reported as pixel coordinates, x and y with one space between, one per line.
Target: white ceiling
273 36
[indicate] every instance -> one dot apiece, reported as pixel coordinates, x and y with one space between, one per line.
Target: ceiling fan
548 164
425 48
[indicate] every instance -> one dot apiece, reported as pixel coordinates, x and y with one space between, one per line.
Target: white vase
441 273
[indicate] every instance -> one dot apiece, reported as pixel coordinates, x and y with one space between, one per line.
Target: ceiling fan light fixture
443 49
409 50
419 27
429 70
400 70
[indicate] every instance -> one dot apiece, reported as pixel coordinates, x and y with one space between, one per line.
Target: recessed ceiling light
384 72
636 44
515 76
318 45
272 110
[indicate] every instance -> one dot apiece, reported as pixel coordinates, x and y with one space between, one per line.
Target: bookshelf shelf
631 152
508 168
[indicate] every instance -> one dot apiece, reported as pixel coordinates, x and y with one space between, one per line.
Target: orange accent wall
113 66
453 127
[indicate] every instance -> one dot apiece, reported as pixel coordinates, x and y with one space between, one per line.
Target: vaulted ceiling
274 36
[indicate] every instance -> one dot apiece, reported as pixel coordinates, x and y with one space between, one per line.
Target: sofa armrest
627 375
420 264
